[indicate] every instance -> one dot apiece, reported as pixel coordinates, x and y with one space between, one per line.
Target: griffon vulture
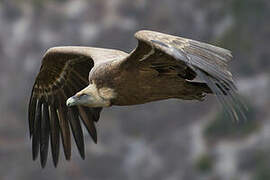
75 83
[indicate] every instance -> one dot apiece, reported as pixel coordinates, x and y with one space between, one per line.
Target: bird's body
161 67
149 85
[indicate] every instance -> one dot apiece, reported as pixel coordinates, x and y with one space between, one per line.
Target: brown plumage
161 67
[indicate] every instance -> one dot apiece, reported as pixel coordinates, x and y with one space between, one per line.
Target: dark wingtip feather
55 138
44 139
45 130
76 129
31 113
36 131
65 133
96 113
87 118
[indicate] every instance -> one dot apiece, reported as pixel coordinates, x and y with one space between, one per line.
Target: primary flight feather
75 83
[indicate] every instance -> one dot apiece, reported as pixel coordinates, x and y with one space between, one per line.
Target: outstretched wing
64 71
189 58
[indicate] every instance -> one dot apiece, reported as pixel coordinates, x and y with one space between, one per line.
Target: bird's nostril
82 95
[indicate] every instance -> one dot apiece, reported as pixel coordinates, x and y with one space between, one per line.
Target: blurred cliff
169 140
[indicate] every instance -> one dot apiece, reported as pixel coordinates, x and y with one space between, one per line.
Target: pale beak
72 101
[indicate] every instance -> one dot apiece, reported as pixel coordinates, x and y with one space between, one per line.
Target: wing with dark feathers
64 72
196 58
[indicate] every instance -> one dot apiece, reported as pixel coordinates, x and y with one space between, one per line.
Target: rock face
160 140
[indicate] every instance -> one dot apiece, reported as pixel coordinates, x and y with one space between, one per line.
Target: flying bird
74 84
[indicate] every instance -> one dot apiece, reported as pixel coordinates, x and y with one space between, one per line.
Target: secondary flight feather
75 83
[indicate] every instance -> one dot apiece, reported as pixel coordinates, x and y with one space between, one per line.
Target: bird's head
88 96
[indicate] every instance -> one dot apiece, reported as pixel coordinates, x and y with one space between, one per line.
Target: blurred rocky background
168 140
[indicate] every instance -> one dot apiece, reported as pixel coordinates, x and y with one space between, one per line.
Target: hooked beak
72 101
